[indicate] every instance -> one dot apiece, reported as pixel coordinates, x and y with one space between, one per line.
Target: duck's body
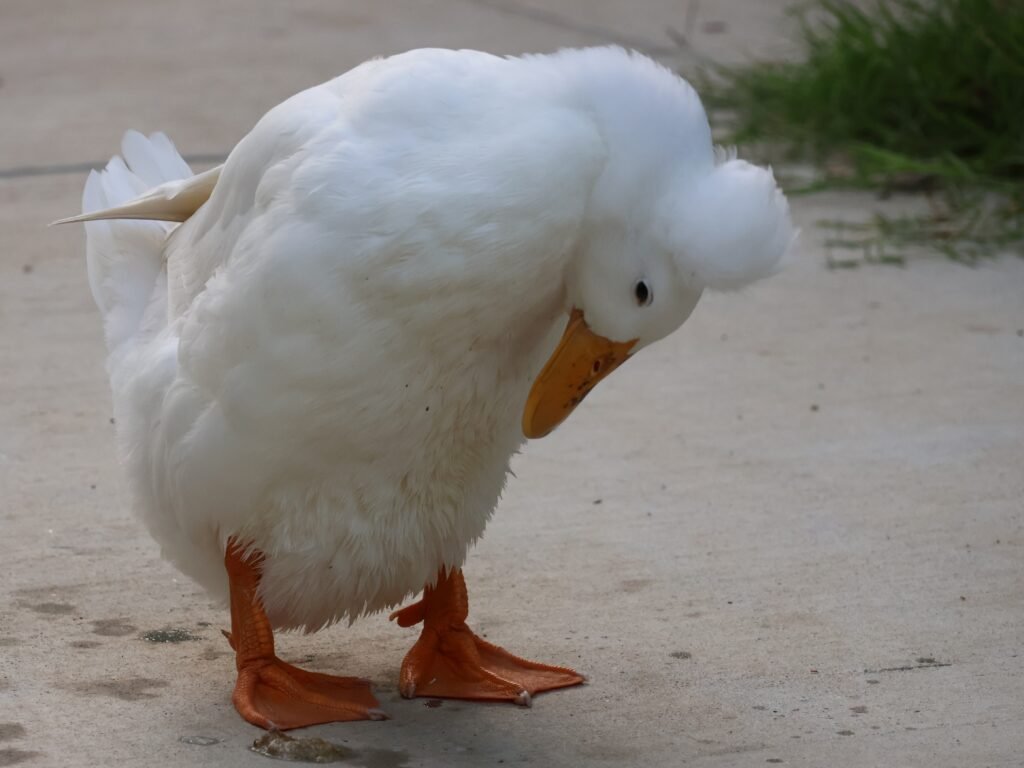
327 362
346 393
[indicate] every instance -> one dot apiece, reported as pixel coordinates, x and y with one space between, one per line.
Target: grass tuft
923 95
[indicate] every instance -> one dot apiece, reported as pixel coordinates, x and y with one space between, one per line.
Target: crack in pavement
58 169
922 664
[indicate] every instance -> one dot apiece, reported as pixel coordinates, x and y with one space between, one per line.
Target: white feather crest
731 227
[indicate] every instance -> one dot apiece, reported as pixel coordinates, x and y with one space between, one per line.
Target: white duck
321 374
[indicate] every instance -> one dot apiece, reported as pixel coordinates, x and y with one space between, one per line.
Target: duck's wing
246 199
425 169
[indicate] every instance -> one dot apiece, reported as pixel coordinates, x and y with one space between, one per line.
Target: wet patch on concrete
168 635
51 609
8 642
859 710
681 655
56 594
131 689
632 586
9 731
211 653
15 756
87 551
200 741
113 627
85 644
48 601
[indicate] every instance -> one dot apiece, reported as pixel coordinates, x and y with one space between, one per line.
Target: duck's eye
644 294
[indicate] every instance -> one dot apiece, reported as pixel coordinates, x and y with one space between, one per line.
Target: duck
324 352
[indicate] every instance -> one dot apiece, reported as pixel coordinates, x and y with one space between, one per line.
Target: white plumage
330 358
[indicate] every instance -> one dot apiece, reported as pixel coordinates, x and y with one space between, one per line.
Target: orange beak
580 361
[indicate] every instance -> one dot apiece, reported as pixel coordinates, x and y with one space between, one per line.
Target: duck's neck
517 328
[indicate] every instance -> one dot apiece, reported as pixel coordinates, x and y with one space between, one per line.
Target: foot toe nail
377 714
524 699
408 691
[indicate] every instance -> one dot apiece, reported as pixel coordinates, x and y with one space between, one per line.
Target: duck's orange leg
449 661
270 693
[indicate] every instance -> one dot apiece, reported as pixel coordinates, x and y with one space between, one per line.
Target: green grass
924 95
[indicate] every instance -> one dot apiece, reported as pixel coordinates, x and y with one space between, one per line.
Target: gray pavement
793 533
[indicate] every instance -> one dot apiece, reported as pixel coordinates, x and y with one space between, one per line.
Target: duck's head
641 267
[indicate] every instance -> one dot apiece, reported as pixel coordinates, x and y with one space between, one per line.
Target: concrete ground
793 533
